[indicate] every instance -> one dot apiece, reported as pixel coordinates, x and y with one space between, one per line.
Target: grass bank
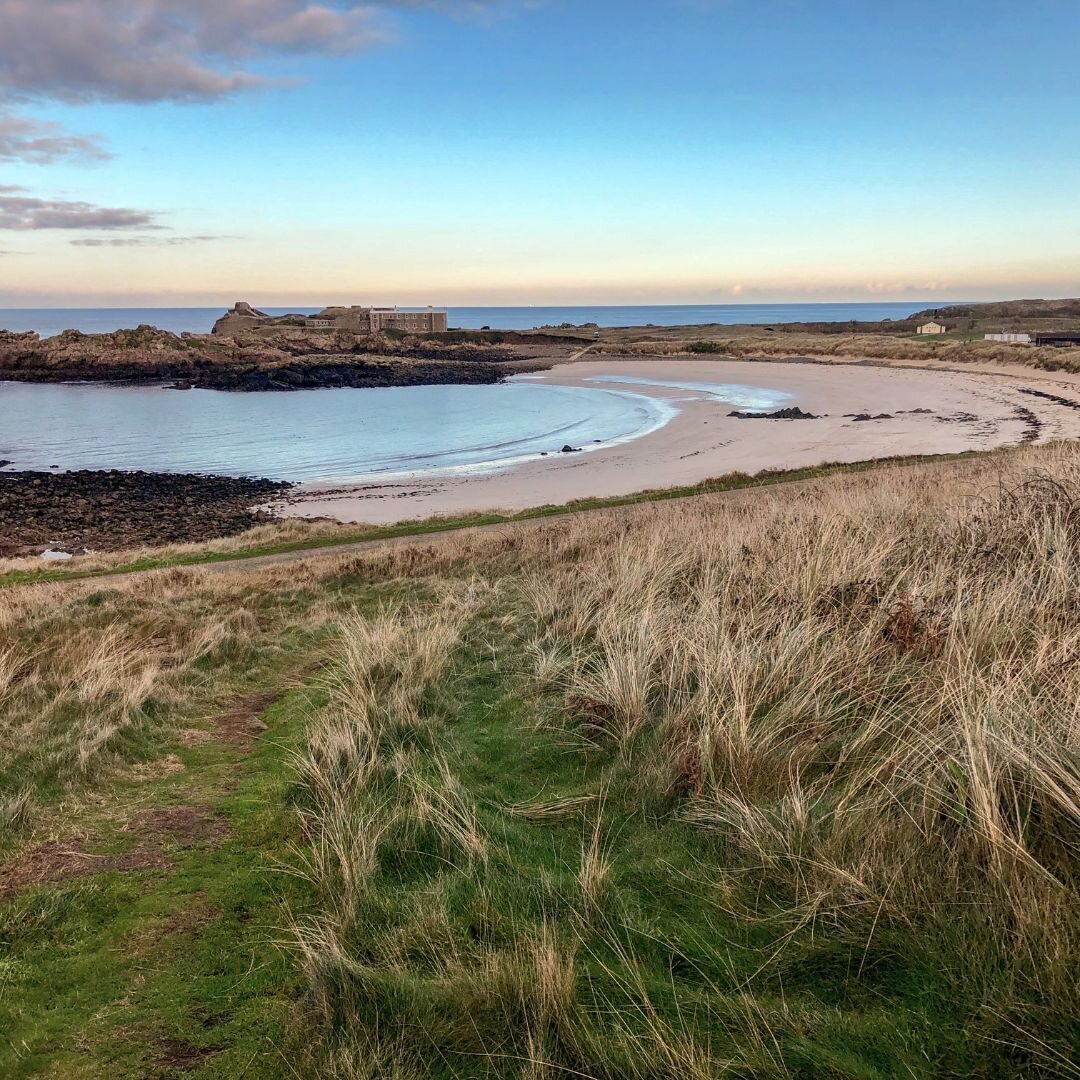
782 787
297 535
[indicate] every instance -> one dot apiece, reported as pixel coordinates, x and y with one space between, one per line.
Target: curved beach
929 411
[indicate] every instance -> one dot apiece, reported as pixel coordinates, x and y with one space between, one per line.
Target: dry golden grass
850 706
871 691
867 687
95 673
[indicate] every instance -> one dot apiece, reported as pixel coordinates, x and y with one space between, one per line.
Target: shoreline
926 411
283 540
907 413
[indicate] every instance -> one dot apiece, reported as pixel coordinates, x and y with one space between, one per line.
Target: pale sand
976 409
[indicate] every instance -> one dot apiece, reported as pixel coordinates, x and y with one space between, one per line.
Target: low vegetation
751 343
781 785
298 535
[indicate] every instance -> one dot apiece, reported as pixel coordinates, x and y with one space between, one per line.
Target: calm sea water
331 435
49 321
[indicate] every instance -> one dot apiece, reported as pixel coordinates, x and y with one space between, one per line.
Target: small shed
933 328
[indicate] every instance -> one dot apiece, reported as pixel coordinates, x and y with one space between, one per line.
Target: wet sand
930 412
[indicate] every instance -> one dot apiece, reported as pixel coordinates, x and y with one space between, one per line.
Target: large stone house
933 328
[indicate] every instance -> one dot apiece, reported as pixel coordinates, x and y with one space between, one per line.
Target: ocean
50 321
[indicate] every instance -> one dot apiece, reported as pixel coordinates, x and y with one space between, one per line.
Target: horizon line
645 304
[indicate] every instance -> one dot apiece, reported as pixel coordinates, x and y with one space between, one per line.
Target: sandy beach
929 412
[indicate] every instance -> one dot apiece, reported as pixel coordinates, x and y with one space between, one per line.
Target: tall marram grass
864 693
872 694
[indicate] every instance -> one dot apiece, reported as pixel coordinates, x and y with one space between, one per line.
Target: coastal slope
771 786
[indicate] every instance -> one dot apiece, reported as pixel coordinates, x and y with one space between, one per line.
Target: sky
474 152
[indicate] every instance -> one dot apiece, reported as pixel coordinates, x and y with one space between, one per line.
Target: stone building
933 328
242 317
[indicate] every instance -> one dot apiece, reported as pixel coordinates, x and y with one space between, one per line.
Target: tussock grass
837 721
95 676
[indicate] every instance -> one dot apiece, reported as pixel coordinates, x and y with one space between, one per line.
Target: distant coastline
198 320
250 349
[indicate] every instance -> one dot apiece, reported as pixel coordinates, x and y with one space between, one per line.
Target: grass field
775 787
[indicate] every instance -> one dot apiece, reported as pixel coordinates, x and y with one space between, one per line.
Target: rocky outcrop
285 360
792 413
239 318
76 511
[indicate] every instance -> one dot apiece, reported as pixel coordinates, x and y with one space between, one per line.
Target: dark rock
792 413
862 417
80 510
4 462
568 449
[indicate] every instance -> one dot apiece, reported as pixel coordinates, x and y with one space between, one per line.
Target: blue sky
556 152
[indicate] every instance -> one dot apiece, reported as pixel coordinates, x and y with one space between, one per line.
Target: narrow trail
580 353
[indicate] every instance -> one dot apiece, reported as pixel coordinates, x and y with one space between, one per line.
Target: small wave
651 414
748 397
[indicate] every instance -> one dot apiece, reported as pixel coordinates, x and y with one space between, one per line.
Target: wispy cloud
912 288
43 141
145 241
145 51
20 212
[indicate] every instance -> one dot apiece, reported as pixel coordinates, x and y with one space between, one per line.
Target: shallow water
736 394
326 435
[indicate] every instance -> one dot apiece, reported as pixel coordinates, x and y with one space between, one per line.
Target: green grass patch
495 966
173 965
141 972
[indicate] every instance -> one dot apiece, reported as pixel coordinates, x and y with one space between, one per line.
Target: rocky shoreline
87 510
294 360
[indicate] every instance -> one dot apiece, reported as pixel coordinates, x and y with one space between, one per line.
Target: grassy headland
775 786
789 343
889 340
